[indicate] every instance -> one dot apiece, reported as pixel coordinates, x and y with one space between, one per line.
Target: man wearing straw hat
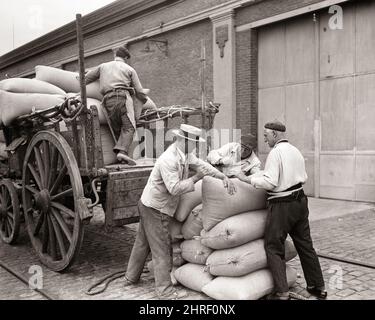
168 180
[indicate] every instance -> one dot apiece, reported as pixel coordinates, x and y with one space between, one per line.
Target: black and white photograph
209 151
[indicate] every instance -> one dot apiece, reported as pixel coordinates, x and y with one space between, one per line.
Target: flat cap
275 125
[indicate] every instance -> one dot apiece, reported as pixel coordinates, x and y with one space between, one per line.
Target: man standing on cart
118 83
168 180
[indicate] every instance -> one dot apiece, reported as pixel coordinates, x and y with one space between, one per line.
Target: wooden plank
365 39
337 170
365 128
271 59
123 185
125 212
365 170
300 50
337 47
337 123
129 173
126 198
271 106
300 115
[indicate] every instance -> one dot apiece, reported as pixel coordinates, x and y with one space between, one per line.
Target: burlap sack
14 105
175 230
193 225
24 85
188 201
66 80
236 230
249 287
193 251
177 259
193 276
219 205
244 259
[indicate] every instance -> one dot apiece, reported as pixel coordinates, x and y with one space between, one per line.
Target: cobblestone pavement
348 236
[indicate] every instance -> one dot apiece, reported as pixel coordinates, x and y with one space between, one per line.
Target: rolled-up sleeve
92 75
269 178
197 164
171 177
136 83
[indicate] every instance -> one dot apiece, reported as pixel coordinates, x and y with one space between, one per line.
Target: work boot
318 292
278 296
122 157
173 295
127 282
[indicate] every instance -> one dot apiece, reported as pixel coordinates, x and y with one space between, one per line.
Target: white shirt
284 168
230 156
166 182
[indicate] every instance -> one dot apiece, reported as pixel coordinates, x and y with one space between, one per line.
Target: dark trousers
290 216
153 235
115 104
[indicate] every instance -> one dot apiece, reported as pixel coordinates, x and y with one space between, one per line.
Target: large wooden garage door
321 82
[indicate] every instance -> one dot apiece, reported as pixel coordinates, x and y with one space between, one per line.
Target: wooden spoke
46 161
39 224
62 224
59 179
9 208
38 158
7 230
59 236
35 176
10 216
62 194
45 236
31 189
54 162
63 209
52 237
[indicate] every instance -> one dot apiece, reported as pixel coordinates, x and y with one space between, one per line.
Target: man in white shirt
234 157
168 180
283 177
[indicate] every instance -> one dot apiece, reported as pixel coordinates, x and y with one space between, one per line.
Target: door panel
337 177
365 40
365 128
300 115
271 61
272 103
337 114
337 47
300 50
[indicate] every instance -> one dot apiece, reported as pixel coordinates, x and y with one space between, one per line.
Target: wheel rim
51 186
9 212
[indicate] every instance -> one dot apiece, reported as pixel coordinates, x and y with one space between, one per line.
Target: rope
105 281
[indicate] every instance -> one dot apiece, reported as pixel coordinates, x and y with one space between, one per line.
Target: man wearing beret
236 158
118 83
283 177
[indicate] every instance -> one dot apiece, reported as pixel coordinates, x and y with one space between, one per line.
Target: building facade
308 63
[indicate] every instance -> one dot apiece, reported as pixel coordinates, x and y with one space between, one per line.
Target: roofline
92 22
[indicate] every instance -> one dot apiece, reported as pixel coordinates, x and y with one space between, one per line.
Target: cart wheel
9 212
51 187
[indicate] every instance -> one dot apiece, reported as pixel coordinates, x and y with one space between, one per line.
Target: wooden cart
53 180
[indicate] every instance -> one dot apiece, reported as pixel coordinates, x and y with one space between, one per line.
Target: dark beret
123 52
275 125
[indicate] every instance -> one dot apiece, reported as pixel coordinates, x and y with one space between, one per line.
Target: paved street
347 233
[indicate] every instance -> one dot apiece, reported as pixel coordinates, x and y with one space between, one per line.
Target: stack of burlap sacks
51 86
222 251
